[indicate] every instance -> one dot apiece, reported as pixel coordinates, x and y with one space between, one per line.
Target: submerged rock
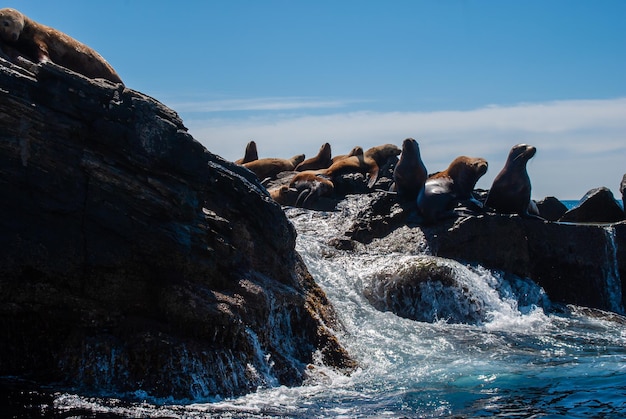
134 260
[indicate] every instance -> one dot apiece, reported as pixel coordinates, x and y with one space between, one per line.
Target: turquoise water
527 359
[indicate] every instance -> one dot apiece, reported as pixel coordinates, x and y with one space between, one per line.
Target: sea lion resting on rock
322 160
410 173
510 190
303 192
356 151
369 162
443 190
271 167
42 43
250 154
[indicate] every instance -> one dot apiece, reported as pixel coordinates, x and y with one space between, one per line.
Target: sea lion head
465 172
297 159
520 154
11 24
382 153
324 152
410 147
356 151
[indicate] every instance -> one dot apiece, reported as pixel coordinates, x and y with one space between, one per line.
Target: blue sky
462 77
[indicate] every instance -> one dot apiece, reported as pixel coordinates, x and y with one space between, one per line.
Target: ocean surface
528 359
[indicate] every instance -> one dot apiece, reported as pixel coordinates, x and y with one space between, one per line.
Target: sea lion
250 154
369 162
42 43
284 195
356 151
270 167
444 190
311 187
410 173
322 160
510 190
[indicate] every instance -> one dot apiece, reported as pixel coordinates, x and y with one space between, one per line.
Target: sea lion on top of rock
42 43
510 190
410 173
369 162
250 154
442 191
311 187
271 167
322 160
356 151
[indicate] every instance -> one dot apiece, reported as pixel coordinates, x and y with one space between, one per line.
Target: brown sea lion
369 162
322 160
270 167
510 190
410 173
42 43
444 190
250 154
356 151
311 187
284 195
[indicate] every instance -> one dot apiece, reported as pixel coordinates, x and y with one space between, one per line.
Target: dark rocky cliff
133 259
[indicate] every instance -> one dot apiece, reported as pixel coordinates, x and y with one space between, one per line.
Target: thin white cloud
581 143
259 104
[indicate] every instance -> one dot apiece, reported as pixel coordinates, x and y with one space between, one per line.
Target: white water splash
613 281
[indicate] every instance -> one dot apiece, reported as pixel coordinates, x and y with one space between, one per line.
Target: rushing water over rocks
522 356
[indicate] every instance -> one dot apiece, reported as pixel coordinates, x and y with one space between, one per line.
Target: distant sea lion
410 173
443 190
270 167
42 43
322 160
356 151
311 187
369 162
510 190
250 154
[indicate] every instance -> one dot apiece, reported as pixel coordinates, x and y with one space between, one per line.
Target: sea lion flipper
373 176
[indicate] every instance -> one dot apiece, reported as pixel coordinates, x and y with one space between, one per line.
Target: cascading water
521 358
613 283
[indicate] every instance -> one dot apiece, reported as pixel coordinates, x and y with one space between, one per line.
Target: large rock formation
132 259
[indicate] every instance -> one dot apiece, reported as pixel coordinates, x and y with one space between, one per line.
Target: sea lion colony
433 197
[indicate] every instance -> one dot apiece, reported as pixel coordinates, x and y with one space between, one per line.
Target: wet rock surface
133 259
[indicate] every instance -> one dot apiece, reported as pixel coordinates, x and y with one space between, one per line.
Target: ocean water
526 358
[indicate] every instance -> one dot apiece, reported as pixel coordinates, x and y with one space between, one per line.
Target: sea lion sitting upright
271 167
410 173
250 154
510 190
444 190
42 43
322 160
370 162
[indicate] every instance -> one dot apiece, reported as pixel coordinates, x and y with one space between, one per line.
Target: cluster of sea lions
21 37
433 196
